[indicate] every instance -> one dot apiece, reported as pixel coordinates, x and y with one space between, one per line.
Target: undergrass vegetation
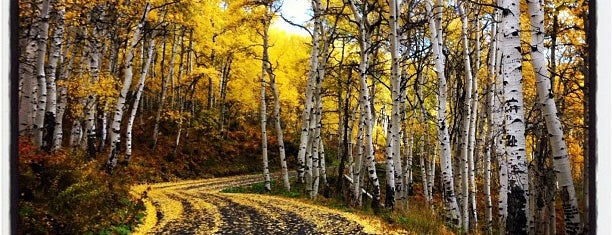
65 192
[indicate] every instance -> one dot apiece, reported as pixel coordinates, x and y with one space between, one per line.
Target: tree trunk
450 201
408 144
493 103
553 125
64 72
316 139
277 120
359 159
364 46
41 106
225 75
55 51
518 190
140 89
322 164
115 138
264 114
393 163
94 67
306 114
28 84
472 148
164 90
402 190
467 128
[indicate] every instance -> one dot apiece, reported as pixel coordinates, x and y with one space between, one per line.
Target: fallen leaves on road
197 207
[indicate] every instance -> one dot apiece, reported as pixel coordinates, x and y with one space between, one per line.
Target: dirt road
197 207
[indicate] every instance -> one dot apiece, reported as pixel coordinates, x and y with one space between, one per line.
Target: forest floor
200 207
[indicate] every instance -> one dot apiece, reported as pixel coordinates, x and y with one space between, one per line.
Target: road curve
197 207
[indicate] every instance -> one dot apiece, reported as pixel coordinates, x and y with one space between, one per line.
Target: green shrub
64 193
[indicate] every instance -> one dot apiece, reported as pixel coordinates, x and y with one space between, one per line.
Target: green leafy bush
63 193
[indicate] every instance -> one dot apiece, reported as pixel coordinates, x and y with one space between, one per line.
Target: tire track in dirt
197 207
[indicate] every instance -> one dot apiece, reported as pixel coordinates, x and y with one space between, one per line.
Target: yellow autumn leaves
197 206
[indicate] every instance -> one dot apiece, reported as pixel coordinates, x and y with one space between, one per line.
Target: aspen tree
511 71
491 135
306 114
94 67
55 50
61 108
277 120
115 137
359 159
468 127
364 47
41 40
263 111
393 163
553 125
472 134
423 139
139 90
64 72
28 84
450 201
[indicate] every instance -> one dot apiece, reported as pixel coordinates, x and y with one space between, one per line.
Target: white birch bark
140 89
317 110
94 67
497 129
488 223
304 136
76 133
408 144
115 137
518 189
450 201
28 86
423 167
467 120
402 189
55 50
309 168
322 163
394 165
316 164
424 139
548 107
263 110
65 72
472 135
349 140
491 131
359 158
431 173
277 124
103 128
41 106
61 107
264 135
364 46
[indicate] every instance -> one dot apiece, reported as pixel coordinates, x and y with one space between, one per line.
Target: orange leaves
28 153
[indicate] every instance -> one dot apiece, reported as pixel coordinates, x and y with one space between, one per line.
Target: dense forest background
475 110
